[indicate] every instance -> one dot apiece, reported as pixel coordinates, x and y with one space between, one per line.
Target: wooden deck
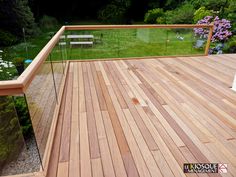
146 117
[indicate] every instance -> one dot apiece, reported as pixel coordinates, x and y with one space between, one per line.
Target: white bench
80 37
62 43
83 43
83 40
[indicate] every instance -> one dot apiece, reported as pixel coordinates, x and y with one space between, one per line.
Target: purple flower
220 32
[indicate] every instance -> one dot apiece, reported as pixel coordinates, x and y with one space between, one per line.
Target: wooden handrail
23 81
93 27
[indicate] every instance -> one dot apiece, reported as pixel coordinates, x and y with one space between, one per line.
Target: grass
115 43
34 46
121 43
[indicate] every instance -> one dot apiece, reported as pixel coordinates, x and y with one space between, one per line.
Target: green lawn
121 43
116 43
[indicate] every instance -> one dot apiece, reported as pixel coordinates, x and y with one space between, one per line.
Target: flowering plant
220 32
5 68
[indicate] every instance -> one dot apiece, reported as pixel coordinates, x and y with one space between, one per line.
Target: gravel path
27 162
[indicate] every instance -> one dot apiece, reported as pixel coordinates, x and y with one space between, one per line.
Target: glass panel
41 98
57 57
183 42
142 42
18 150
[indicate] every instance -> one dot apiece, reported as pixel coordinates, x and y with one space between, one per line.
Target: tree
230 13
201 13
15 15
115 11
182 15
154 15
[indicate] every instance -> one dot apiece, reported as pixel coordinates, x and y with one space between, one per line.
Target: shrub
232 47
169 16
182 15
112 14
214 5
201 13
154 16
6 38
161 20
48 22
23 115
221 31
230 13
11 139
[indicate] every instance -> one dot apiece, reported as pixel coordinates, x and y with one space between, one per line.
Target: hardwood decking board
146 134
85 159
107 165
92 130
145 117
114 148
151 131
116 89
151 164
65 144
211 106
214 95
187 98
101 99
74 161
121 139
97 167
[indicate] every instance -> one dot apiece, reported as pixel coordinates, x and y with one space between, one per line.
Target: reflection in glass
18 150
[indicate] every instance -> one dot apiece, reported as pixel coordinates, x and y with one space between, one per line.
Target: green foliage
112 14
201 13
169 16
23 115
11 139
230 12
172 4
6 38
48 22
17 15
230 46
115 12
161 20
18 61
154 16
209 4
153 4
182 15
214 5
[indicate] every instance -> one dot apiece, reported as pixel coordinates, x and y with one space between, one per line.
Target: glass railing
18 148
132 42
26 119
42 96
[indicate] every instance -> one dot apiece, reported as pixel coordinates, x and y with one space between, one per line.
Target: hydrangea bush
221 31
